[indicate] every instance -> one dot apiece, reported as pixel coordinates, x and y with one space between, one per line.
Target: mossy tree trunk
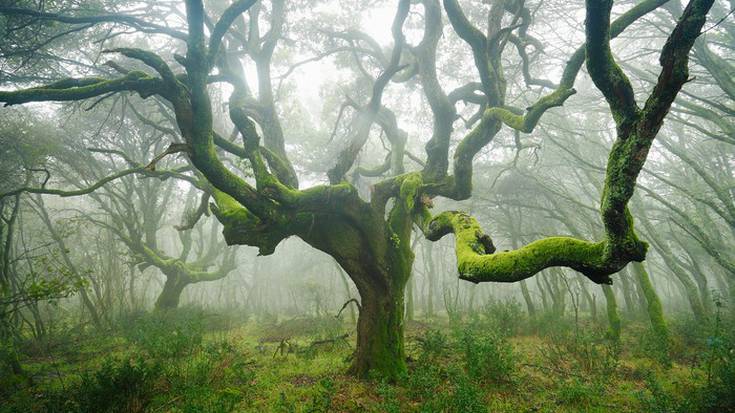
171 294
627 293
380 342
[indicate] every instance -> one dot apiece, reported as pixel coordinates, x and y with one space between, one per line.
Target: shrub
488 357
118 386
204 399
504 317
654 398
432 344
586 351
424 380
389 398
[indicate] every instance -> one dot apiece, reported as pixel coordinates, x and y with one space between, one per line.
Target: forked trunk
171 293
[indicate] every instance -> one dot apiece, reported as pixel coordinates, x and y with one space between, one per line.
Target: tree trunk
171 293
590 299
430 271
655 312
380 342
529 301
627 292
409 300
612 313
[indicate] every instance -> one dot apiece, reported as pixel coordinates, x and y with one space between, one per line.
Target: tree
370 239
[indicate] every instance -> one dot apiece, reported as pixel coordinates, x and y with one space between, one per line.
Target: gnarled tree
370 239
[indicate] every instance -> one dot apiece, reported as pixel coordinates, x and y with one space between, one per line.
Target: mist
383 206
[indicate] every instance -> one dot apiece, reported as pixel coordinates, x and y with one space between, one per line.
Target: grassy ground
185 363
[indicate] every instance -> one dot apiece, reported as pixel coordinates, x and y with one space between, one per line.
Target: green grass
164 367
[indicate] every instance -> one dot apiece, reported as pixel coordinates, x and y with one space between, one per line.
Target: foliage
119 385
505 317
488 356
166 334
432 344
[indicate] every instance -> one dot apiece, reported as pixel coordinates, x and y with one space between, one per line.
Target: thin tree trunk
613 317
655 311
529 302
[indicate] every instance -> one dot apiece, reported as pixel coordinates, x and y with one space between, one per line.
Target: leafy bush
424 380
654 398
389 398
488 357
719 392
118 386
586 351
505 317
432 344
204 399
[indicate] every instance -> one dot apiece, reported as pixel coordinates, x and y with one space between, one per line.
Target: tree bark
171 293
380 341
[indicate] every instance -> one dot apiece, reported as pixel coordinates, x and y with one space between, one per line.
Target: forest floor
194 362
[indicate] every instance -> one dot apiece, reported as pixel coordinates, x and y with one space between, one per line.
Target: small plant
423 382
461 396
488 357
389 398
432 344
322 401
585 351
577 393
654 398
466 396
718 393
504 317
118 386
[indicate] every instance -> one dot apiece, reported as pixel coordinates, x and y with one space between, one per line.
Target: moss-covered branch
151 60
478 261
79 89
526 123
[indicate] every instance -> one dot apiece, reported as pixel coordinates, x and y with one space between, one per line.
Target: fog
413 205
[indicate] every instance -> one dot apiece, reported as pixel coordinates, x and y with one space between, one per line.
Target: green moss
409 190
526 123
69 89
